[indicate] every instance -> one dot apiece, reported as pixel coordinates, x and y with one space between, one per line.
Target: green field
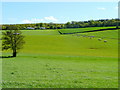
111 34
51 60
73 30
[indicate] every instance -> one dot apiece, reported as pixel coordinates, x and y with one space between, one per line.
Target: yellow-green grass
40 32
51 71
70 45
63 61
73 30
112 34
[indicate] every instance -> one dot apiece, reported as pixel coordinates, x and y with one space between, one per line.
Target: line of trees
72 24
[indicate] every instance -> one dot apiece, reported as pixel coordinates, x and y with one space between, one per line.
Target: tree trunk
14 53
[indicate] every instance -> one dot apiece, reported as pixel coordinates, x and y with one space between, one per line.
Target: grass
112 34
53 71
73 30
57 44
51 60
40 32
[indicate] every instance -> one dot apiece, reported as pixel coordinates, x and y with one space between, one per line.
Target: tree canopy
72 24
13 40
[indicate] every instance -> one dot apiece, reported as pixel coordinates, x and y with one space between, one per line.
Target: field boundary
90 31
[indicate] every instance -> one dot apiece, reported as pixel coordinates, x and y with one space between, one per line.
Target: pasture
51 60
74 30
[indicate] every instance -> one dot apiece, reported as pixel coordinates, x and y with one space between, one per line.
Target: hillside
52 60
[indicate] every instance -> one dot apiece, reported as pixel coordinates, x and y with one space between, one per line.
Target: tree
68 25
52 27
3 27
12 39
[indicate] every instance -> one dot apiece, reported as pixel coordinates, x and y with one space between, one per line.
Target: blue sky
58 12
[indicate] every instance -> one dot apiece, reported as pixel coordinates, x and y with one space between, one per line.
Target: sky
57 12
59 0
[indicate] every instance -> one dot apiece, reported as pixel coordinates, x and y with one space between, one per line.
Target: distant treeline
72 24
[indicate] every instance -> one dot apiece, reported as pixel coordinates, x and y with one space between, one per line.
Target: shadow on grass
6 56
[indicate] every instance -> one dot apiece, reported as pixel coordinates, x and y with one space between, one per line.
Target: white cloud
101 8
50 18
64 17
27 21
45 19
36 20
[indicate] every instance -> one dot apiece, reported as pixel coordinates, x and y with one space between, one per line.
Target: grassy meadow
73 30
51 60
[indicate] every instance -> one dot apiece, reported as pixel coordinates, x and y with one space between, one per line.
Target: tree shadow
6 56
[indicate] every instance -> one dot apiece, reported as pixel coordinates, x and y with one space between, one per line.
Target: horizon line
57 22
